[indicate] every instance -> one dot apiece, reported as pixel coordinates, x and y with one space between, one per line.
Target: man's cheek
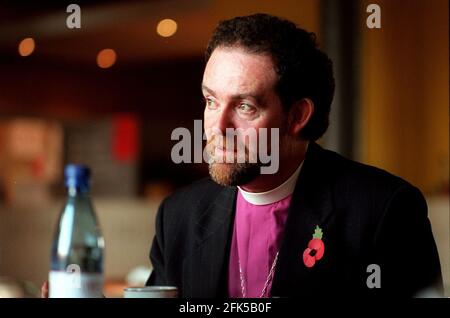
211 131
208 120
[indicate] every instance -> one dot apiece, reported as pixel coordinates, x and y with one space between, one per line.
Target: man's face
239 94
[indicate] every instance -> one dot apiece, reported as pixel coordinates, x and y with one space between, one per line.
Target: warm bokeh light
106 58
26 46
166 28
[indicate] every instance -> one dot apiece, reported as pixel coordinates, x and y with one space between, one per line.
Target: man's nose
225 120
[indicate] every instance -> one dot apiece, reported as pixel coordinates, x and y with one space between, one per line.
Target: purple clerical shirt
257 235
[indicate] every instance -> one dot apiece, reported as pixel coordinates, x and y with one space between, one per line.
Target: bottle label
75 285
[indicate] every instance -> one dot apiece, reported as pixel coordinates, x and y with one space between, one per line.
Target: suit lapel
311 206
205 270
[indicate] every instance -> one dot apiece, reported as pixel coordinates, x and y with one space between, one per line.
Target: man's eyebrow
205 88
235 97
242 96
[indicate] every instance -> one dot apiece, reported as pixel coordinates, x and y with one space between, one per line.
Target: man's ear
299 115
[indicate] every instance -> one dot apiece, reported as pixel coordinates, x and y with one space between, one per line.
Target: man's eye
246 108
210 103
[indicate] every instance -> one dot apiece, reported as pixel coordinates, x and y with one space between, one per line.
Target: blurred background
110 93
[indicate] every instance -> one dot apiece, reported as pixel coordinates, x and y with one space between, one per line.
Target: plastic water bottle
77 251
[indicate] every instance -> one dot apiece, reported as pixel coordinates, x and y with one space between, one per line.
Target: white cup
151 292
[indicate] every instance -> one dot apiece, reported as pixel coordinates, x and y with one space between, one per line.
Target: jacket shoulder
189 202
368 193
357 176
196 193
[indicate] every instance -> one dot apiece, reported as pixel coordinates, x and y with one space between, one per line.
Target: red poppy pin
315 249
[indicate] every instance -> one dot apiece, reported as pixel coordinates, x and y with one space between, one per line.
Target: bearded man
321 224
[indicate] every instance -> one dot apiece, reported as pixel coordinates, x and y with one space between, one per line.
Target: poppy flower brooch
315 249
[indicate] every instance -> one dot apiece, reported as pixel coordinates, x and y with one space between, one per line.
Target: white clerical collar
274 195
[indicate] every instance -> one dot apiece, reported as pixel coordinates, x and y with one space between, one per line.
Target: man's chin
233 174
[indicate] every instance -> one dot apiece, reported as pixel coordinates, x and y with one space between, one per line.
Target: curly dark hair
303 70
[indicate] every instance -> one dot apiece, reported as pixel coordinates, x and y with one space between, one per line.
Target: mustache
221 141
239 151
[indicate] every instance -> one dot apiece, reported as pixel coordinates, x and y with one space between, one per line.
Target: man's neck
266 182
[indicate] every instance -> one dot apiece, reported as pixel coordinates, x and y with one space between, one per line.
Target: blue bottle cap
77 176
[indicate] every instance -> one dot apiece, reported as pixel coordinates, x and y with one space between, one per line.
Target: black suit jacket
367 215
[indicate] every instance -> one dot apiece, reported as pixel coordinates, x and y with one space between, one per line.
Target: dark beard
233 174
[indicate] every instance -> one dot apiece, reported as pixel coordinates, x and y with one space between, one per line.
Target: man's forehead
238 59
238 69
